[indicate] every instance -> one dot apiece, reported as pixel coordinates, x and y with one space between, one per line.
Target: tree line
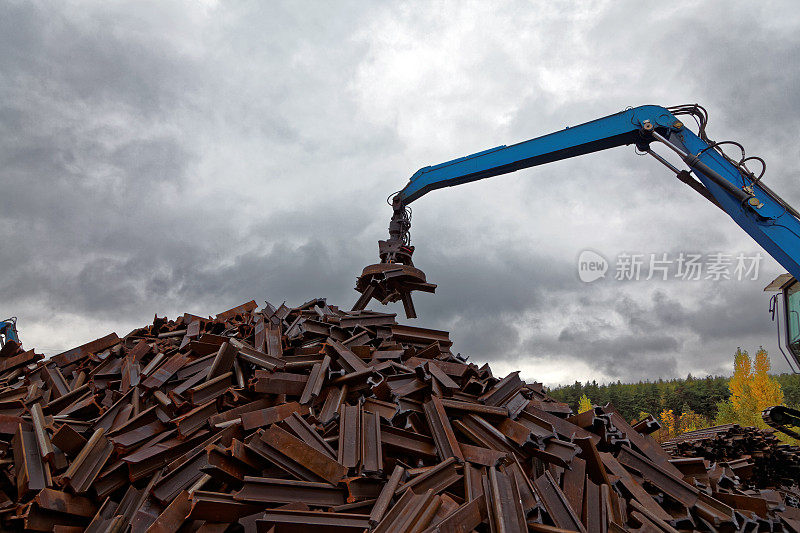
692 403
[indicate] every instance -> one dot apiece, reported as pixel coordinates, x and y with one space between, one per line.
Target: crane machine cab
785 309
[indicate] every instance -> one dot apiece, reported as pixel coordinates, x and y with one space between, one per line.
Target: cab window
793 318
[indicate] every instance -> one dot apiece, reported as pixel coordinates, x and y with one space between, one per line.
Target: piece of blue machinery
8 331
726 181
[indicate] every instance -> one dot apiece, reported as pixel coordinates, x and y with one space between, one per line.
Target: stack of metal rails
311 418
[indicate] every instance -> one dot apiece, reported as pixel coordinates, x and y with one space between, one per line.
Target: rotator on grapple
395 276
725 181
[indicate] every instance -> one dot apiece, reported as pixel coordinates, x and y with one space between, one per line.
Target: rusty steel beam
502 390
371 456
40 431
75 354
129 440
361 488
313 388
87 465
644 444
466 518
557 504
534 416
414 335
349 446
558 452
155 454
524 485
286 444
222 466
437 478
344 356
64 502
169 486
219 506
223 361
237 412
196 418
210 389
386 410
256 357
274 345
638 492
68 440
441 430
407 442
28 466
479 431
271 415
334 398
243 309
305 432
174 516
674 486
286 464
55 379
573 484
270 490
281 383
385 497
504 507
407 507
286 521
160 375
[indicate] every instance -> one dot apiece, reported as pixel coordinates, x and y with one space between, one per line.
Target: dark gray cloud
186 156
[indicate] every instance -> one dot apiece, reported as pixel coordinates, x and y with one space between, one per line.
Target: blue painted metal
771 226
8 329
775 229
615 130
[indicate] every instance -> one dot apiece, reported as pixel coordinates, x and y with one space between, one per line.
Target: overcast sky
171 157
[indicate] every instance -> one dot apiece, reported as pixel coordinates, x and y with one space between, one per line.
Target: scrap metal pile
754 455
316 419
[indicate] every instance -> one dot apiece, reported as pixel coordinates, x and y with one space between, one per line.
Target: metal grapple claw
395 276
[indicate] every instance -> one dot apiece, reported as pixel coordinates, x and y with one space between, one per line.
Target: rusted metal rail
312 418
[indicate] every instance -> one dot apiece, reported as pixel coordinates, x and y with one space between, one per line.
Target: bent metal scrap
287 419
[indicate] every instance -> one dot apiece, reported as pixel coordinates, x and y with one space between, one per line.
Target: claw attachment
395 277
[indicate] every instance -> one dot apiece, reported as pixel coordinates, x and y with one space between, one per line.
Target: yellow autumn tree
584 404
752 390
742 401
667 419
766 390
690 421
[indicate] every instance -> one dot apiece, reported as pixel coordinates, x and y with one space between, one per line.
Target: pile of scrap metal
756 456
315 419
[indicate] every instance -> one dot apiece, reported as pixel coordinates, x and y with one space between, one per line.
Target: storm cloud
187 156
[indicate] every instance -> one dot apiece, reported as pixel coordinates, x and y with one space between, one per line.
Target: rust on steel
314 418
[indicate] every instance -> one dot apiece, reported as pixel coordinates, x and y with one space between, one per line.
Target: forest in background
688 404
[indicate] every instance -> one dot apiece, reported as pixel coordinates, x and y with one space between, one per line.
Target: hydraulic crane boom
724 181
728 183
758 210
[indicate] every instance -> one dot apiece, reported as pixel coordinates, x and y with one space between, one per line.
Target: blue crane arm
751 204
